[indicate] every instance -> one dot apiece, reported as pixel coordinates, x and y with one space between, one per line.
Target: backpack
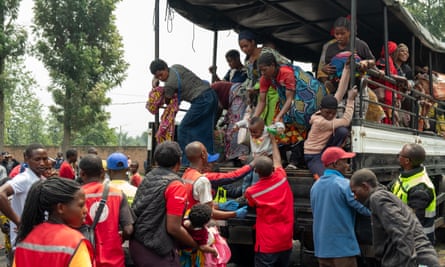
88 230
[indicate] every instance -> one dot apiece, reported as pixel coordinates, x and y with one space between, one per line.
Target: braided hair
42 198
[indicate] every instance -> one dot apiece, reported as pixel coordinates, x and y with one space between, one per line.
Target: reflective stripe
430 214
46 248
188 181
269 188
100 194
428 230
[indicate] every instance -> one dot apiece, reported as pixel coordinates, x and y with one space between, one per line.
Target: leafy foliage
25 123
430 13
80 46
12 45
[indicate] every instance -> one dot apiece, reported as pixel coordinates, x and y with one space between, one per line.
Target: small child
260 144
327 130
259 137
196 225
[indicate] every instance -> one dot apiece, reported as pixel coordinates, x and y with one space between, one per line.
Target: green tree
12 45
430 13
79 44
54 131
98 135
24 119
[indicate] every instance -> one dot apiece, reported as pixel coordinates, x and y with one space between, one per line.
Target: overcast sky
181 43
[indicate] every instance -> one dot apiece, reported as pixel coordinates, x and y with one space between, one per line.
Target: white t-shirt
202 190
21 185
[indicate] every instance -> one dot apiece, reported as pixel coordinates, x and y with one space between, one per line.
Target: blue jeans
277 259
313 161
197 124
250 179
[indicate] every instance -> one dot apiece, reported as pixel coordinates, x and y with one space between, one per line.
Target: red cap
334 153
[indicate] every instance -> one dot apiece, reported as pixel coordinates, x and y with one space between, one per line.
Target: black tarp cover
300 27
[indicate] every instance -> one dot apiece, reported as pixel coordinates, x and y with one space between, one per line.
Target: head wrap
392 47
246 35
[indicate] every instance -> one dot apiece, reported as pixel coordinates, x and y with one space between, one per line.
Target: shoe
291 166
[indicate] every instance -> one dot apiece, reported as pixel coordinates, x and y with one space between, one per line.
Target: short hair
193 151
364 176
71 153
234 54
342 22
91 165
134 162
255 120
264 166
267 59
30 149
92 150
416 154
157 65
200 214
167 154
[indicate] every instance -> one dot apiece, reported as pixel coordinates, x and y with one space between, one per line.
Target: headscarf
392 47
246 35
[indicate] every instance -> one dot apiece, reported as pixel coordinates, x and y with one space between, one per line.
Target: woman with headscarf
387 96
248 44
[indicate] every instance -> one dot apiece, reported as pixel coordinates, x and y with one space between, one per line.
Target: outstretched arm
276 157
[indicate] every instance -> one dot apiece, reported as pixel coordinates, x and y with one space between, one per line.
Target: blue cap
117 161
212 158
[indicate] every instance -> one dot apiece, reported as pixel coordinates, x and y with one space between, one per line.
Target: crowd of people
168 217
282 107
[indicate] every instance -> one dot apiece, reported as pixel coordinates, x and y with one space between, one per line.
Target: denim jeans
313 161
250 179
197 124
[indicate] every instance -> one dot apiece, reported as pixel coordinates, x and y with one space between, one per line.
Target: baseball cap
212 157
117 161
334 153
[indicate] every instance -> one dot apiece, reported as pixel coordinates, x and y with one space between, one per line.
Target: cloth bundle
156 99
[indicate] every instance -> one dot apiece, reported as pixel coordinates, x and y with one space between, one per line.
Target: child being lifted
327 130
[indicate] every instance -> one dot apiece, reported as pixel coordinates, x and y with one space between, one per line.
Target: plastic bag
223 249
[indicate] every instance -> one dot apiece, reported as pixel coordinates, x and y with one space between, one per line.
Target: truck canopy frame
299 28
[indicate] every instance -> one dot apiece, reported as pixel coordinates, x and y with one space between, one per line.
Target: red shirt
274 202
66 171
108 251
15 171
176 198
285 78
42 246
136 179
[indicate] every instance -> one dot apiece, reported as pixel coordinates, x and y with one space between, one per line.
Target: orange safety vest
109 251
49 243
189 177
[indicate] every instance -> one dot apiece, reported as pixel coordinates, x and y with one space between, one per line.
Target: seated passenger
342 33
386 96
404 70
236 73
